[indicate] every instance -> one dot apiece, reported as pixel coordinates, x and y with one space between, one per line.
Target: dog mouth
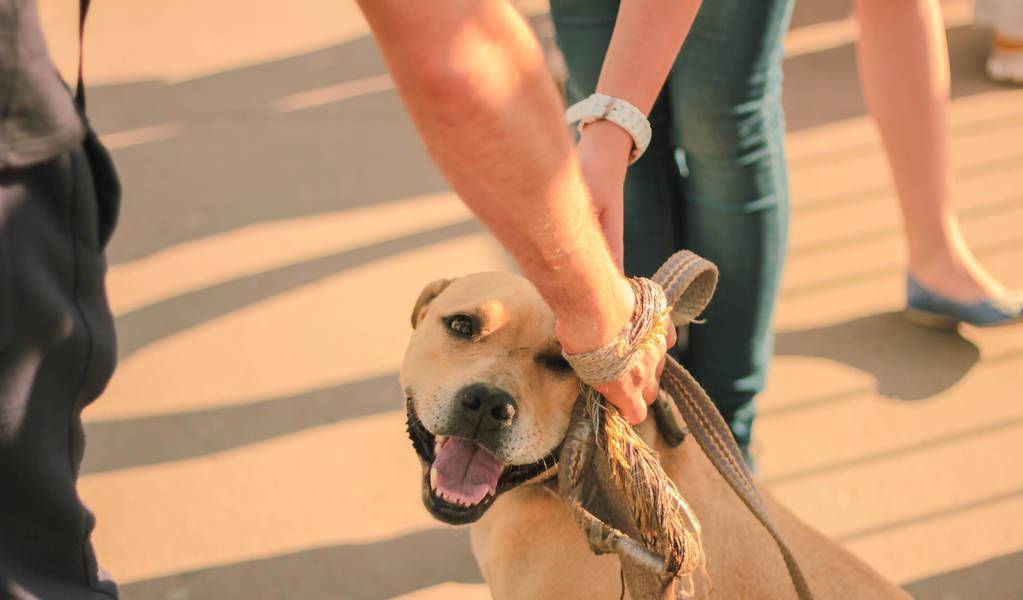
461 479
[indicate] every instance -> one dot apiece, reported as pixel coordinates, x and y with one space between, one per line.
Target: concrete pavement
281 216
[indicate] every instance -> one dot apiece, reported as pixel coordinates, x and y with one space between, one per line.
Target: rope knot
680 289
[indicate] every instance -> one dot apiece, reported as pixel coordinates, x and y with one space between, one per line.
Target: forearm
474 80
647 37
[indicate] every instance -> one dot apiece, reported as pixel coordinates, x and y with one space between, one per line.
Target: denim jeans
713 179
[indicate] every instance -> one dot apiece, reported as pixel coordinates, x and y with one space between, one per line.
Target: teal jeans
713 179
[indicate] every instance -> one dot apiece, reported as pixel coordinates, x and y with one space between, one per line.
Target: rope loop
681 289
666 544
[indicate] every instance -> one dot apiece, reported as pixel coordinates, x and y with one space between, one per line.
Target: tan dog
489 398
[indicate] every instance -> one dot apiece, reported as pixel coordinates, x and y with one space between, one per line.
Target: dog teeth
433 478
438 441
451 499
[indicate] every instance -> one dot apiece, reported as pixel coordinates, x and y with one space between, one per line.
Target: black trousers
57 352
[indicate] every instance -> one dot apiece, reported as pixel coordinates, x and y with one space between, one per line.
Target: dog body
489 400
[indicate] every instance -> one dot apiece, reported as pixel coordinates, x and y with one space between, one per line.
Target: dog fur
526 543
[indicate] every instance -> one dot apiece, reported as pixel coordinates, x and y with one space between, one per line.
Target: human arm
473 78
647 37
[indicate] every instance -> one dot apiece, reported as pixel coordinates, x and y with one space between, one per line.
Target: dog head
487 391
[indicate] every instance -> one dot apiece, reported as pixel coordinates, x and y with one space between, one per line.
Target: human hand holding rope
646 335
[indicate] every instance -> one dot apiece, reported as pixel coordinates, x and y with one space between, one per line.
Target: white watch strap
601 107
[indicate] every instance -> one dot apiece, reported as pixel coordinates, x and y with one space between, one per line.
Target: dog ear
431 291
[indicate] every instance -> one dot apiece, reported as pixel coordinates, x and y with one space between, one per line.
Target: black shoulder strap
83 10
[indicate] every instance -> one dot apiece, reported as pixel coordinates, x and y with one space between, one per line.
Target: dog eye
462 326
555 363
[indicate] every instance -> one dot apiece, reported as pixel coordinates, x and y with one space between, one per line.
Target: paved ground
281 216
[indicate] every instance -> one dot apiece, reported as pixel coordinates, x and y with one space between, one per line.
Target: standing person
904 73
58 201
714 178
472 76
474 79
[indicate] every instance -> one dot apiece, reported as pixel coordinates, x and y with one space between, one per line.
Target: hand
638 387
604 158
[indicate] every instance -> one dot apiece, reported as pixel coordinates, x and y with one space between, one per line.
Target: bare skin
473 78
904 73
648 33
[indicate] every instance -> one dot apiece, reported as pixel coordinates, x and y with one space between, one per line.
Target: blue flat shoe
929 309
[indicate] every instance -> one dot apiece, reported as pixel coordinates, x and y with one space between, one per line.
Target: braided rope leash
681 288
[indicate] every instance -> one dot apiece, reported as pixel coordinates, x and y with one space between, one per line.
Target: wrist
598 319
618 111
606 143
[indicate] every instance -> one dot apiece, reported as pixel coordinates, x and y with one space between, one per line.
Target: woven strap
688 283
610 362
681 288
711 433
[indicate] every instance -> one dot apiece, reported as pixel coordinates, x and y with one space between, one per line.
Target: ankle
955 276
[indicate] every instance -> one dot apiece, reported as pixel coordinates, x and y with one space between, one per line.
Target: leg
725 92
56 355
904 72
652 186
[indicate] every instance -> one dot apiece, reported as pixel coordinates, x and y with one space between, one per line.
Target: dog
489 397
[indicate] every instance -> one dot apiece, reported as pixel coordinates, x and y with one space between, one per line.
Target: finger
638 413
660 366
672 337
650 389
653 385
631 408
633 405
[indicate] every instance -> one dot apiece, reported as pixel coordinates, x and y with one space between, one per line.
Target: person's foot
924 307
949 286
959 278
1005 61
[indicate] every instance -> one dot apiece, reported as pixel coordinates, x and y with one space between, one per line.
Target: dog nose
494 405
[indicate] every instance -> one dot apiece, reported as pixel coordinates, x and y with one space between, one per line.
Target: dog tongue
466 472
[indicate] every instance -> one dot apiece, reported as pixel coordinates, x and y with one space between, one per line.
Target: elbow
446 84
467 76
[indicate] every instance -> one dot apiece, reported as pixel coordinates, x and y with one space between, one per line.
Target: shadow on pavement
972 505
236 161
1000 578
809 103
851 278
159 439
896 452
149 324
907 361
814 13
372 571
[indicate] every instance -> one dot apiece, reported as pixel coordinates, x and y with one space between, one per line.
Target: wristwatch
601 107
